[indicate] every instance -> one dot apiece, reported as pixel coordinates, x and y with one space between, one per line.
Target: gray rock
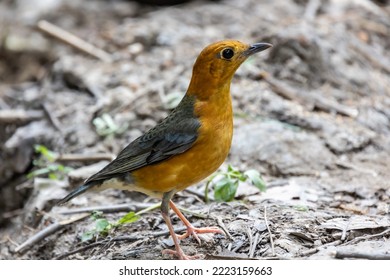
285 151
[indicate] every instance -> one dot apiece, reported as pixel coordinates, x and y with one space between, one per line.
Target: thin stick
249 234
53 119
315 250
254 244
327 105
216 257
149 208
85 158
377 59
89 246
20 116
356 168
110 208
46 232
269 231
116 239
223 226
72 40
354 255
282 90
368 237
192 213
308 101
345 229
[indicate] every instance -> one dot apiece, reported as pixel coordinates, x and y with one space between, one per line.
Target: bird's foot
181 256
191 230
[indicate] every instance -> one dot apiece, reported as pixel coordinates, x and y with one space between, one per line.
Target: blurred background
81 79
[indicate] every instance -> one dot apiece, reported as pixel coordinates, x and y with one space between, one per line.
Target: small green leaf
67 169
130 217
225 189
256 179
38 172
302 208
52 176
230 168
235 173
86 236
106 126
102 225
44 151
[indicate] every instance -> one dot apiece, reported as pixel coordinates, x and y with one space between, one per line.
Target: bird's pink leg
191 230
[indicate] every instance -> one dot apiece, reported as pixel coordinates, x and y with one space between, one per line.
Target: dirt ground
312 115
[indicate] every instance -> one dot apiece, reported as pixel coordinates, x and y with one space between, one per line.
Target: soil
312 115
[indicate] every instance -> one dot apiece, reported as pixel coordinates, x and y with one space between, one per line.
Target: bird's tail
81 189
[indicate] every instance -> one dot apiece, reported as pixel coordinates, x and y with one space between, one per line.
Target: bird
187 146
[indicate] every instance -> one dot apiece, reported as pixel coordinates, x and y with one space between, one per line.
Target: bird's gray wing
173 136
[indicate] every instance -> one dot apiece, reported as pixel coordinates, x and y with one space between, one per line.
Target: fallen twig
116 239
356 168
345 229
254 244
126 207
73 40
282 90
85 158
249 234
308 101
357 239
330 106
216 257
105 241
315 250
377 59
149 208
224 228
277 183
53 119
46 232
269 231
238 246
195 214
356 255
20 116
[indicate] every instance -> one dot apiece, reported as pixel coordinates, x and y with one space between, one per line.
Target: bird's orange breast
202 159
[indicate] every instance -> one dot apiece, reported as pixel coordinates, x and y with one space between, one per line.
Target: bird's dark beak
255 48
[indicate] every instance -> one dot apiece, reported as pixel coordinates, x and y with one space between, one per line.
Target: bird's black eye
227 53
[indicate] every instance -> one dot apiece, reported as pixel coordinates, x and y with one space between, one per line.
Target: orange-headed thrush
188 145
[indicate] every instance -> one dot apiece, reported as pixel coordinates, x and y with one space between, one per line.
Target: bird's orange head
217 63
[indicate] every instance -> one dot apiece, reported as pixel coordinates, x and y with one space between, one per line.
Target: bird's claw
195 231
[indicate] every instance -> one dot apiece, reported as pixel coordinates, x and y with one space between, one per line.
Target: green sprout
302 208
46 165
105 126
225 187
103 226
